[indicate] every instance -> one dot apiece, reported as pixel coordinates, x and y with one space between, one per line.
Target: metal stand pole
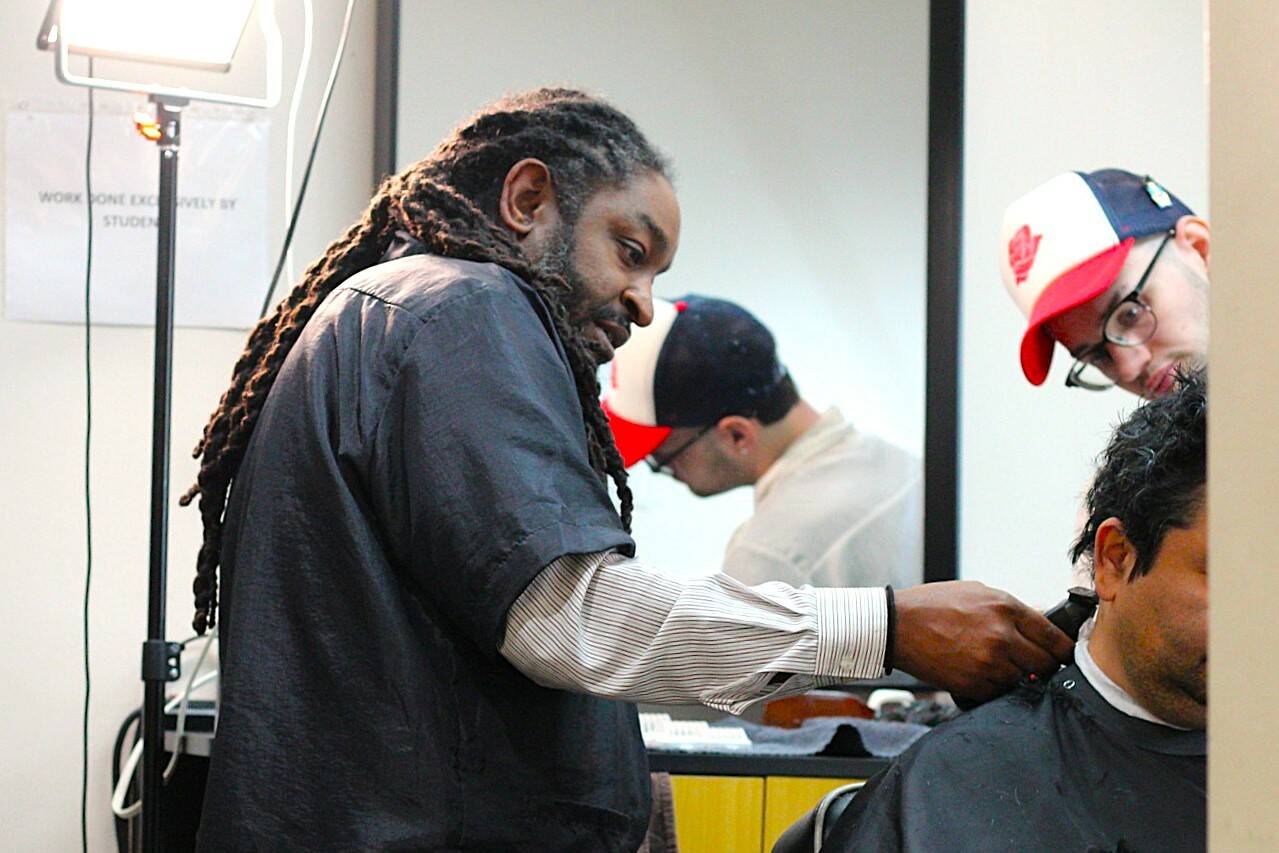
160 658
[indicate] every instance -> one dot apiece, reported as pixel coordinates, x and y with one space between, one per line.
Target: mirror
799 136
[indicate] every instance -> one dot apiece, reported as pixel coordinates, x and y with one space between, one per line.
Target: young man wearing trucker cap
1115 268
701 395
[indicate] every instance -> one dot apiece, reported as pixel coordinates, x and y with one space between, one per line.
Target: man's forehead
649 200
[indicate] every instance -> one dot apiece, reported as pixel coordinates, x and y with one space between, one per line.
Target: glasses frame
1082 363
663 466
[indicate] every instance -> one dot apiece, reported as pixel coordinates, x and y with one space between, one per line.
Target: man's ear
1194 232
527 204
1113 559
740 435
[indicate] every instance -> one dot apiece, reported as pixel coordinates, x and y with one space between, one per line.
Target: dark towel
661 821
841 736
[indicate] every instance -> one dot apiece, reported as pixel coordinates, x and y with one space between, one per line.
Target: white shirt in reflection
838 508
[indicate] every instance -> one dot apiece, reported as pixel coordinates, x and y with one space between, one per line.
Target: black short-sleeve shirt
420 458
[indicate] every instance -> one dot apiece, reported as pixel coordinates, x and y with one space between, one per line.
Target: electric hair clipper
1071 614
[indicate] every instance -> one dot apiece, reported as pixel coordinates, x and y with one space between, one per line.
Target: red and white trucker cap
1065 241
700 360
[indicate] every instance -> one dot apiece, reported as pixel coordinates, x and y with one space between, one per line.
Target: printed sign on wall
221 271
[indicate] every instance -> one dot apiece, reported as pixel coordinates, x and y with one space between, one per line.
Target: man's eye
632 252
1127 316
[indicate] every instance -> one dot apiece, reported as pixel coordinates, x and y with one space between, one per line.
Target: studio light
186 32
193 34
199 34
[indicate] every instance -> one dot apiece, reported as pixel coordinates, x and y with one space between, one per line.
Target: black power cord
88 504
310 160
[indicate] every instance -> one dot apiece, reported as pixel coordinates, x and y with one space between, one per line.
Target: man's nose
1129 362
638 302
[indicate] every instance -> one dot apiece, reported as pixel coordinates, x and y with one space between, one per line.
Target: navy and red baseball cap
701 359
1065 242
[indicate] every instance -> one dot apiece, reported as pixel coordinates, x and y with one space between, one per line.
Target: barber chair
809 833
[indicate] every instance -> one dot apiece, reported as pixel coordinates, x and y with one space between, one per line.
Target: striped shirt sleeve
605 624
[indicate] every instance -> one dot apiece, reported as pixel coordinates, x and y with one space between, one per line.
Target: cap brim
1070 290
634 441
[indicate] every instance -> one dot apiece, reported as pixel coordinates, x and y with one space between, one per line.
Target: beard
557 260
1168 677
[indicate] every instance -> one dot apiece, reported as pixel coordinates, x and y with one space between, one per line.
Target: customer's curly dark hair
1153 472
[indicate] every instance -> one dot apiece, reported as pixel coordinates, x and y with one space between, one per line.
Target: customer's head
1146 543
700 394
1114 268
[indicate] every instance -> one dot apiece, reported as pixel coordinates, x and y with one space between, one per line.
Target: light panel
192 33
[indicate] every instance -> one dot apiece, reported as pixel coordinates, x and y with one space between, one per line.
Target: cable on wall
290 135
88 502
325 100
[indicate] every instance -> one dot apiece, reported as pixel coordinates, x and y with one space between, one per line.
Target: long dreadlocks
448 201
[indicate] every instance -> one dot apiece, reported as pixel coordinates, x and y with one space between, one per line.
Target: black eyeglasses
1129 323
659 465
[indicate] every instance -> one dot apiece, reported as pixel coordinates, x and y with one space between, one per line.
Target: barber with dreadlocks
430 607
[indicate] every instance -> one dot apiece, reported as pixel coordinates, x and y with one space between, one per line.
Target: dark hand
974 641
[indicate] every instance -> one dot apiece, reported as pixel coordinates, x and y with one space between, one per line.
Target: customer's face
1177 293
1160 625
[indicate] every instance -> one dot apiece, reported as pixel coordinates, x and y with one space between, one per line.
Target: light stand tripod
160 659
90 27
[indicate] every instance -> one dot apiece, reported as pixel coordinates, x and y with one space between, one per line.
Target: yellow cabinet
742 814
718 814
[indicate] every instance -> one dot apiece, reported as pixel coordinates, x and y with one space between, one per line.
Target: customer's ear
1113 559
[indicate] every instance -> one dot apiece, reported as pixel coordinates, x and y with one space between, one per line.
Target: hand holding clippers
1069 615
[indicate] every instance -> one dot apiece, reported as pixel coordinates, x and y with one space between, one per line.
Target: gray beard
557 260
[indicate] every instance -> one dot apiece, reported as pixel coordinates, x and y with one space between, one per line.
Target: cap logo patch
1157 194
1022 249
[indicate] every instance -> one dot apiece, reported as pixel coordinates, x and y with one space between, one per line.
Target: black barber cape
1043 768
419 460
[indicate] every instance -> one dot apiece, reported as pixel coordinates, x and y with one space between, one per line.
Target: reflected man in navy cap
701 395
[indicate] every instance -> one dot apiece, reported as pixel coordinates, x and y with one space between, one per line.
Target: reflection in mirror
701 396
799 144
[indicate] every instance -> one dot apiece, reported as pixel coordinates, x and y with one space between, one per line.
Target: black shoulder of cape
1049 766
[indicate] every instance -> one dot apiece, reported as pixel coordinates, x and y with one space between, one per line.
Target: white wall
41 447
1052 87
798 135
